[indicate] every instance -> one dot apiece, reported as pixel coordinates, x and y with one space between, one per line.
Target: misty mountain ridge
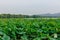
49 14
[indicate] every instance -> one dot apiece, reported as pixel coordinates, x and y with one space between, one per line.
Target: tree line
22 16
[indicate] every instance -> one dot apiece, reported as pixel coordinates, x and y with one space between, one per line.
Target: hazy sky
30 6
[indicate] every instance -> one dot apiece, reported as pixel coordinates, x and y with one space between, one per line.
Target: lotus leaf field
29 29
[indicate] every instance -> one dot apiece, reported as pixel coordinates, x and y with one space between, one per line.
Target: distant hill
48 14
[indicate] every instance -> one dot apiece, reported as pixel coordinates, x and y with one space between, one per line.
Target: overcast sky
29 6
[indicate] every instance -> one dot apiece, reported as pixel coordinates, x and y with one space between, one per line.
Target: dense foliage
29 29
